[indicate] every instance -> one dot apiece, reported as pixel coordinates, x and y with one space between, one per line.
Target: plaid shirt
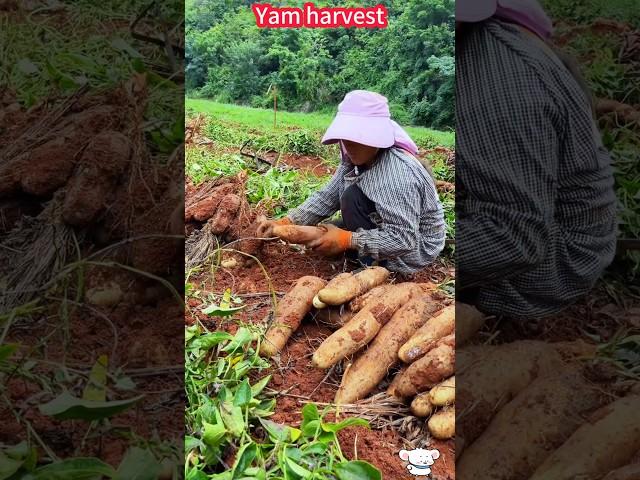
411 224
535 200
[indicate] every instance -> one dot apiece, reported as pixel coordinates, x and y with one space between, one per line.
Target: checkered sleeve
321 204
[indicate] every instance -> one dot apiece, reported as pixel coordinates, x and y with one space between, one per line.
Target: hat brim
475 10
372 131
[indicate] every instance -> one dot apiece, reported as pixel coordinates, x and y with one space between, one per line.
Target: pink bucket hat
527 13
364 117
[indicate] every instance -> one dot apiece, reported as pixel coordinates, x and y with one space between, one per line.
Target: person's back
535 199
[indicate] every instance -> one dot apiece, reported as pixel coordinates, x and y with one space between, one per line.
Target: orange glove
265 227
334 242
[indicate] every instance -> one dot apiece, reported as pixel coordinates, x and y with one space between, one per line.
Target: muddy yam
424 339
350 287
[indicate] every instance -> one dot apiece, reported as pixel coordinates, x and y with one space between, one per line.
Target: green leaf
309 413
9 466
314 449
298 469
279 432
243 394
124 383
191 443
257 388
7 350
138 464
74 469
246 455
65 406
95 389
213 433
242 337
357 470
221 311
232 418
120 44
209 340
349 422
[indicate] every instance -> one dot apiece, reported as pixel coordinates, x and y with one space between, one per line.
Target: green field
260 118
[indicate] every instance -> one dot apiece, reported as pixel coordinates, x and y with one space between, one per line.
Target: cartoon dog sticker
420 460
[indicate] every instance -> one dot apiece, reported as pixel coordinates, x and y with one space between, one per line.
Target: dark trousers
356 209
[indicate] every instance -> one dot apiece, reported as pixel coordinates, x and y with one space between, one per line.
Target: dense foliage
411 62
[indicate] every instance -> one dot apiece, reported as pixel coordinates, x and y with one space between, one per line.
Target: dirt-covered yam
608 441
442 424
421 406
357 303
423 340
225 213
289 313
537 421
364 326
203 209
443 393
373 364
297 233
333 317
350 287
428 371
468 321
48 167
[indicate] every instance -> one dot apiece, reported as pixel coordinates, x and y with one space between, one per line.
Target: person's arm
321 204
508 173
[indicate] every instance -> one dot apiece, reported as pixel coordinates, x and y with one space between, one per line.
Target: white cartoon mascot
420 460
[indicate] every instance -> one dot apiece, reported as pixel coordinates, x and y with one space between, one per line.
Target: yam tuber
521 435
392 390
442 424
289 313
428 371
350 287
297 233
373 363
421 406
468 321
357 303
423 340
443 393
225 212
484 384
364 326
599 446
319 304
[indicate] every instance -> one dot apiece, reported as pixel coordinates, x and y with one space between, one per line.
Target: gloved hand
334 242
265 226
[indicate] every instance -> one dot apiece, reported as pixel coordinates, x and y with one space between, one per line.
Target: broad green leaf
65 406
209 340
138 464
257 388
9 466
228 475
95 389
221 311
213 433
232 418
309 413
241 338
357 470
75 469
191 443
243 394
311 427
279 432
245 457
7 350
314 449
195 474
349 422
298 469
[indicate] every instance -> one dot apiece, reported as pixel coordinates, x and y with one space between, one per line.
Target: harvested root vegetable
392 389
423 340
421 406
442 424
104 296
96 176
373 363
289 313
599 446
333 317
468 321
225 213
428 371
443 393
319 304
203 209
348 288
364 326
359 302
49 167
535 422
484 384
297 233
229 263
628 472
